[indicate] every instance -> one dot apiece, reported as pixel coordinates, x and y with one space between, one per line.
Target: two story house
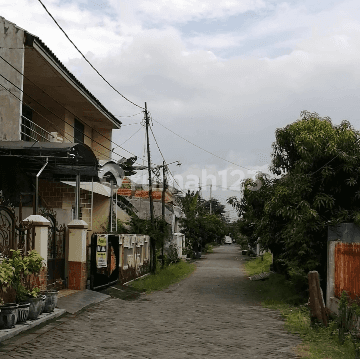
53 135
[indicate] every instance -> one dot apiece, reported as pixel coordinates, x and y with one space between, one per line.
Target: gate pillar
77 254
41 227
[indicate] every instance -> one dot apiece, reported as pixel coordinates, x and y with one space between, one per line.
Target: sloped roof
29 42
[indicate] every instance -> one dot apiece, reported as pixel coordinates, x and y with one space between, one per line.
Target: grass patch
163 278
259 264
318 342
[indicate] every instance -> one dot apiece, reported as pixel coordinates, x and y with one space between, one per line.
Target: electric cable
139 113
63 31
60 104
61 131
203 149
165 161
131 136
55 126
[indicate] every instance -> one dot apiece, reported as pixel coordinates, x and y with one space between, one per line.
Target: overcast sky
222 74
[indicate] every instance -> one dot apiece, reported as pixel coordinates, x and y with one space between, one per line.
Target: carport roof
67 159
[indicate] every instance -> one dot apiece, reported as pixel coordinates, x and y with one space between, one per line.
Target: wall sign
101 251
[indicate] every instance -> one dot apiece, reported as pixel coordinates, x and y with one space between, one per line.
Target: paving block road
207 315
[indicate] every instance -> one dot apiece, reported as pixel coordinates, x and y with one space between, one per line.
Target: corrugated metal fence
347 269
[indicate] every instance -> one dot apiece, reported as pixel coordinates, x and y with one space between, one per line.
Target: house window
78 131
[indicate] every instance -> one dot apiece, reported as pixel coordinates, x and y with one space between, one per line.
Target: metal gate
56 251
14 235
104 261
347 269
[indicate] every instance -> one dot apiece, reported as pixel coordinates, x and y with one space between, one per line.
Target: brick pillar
41 225
77 254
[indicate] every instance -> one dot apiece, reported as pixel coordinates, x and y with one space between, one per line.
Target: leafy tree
216 207
317 164
198 225
160 229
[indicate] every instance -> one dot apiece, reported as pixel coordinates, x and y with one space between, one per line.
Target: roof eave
36 43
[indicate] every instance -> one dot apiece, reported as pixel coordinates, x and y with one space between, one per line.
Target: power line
130 115
57 127
63 107
61 120
213 154
165 161
132 136
86 58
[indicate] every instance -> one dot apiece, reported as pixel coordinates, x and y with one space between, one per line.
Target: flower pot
43 301
23 312
35 307
8 315
51 300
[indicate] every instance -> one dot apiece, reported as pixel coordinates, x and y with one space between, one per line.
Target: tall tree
318 168
199 226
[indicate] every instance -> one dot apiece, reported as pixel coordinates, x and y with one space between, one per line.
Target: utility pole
163 210
163 192
210 198
152 240
111 206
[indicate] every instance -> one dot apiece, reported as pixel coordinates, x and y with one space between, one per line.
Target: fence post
41 232
77 254
317 307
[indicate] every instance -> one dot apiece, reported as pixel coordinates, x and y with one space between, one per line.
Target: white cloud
217 41
170 11
229 106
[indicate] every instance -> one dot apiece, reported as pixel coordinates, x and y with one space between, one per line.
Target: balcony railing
30 131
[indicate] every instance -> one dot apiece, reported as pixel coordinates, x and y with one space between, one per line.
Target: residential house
138 196
53 133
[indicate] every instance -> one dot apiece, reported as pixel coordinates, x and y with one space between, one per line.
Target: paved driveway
208 315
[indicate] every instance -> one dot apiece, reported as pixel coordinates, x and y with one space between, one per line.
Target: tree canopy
199 226
317 167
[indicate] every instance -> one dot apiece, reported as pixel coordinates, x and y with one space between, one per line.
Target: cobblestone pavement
208 315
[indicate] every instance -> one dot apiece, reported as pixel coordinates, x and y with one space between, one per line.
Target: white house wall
12 49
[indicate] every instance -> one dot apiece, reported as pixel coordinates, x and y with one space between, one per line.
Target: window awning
66 159
96 187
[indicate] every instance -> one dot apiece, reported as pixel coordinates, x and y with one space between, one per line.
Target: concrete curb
21 327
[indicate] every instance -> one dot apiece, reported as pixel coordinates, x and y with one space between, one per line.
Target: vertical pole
152 240
37 187
92 202
111 206
20 209
116 220
163 192
36 195
77 197
163 210
210 199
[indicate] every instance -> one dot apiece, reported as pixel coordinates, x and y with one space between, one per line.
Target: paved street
208 315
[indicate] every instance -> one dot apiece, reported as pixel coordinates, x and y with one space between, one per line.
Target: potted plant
8 311
27 293
51 300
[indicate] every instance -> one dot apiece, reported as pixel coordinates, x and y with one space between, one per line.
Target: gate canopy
66 159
